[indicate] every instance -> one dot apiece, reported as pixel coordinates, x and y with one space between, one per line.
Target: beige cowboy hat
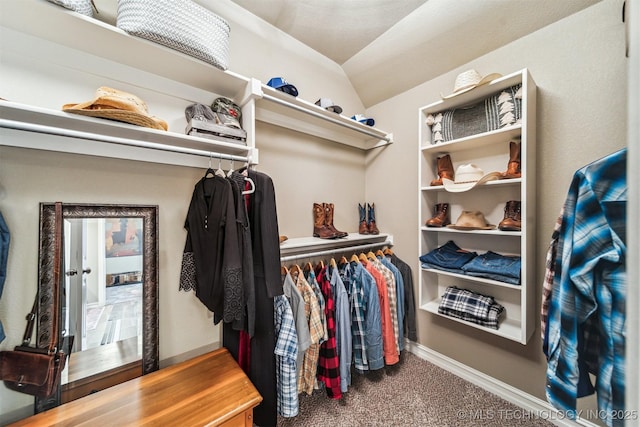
471 220
468 176
117 105
468 80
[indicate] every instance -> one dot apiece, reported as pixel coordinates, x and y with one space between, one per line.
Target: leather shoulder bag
33 370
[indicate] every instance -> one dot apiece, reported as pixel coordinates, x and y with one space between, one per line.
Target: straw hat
117 105
467 177
468 80
471 220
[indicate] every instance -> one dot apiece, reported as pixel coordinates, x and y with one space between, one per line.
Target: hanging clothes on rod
231 262
584 333
348 295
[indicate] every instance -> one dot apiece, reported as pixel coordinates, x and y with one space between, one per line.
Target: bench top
207 390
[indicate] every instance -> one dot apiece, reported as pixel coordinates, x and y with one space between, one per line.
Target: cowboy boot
371 225
319 228
362 227
441 217
511 221
445 170
513 167
328 220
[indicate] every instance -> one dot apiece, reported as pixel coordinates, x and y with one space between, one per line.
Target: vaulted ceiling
388 46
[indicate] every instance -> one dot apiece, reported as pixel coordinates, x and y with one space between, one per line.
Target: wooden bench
208 390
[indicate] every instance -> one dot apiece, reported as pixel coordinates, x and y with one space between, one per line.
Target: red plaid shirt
328 363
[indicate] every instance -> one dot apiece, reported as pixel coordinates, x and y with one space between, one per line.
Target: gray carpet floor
413 393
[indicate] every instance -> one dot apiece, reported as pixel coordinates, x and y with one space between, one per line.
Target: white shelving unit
20 21
490 152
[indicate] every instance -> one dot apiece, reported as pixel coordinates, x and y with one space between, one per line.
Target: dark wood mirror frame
149 214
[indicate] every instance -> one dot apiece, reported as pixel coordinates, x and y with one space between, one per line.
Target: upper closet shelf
279 108
108 138
94 37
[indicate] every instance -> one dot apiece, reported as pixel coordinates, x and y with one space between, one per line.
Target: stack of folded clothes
490 265
472 307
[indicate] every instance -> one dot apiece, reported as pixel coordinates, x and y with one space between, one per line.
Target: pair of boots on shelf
323 222
445 166
511 222
367 223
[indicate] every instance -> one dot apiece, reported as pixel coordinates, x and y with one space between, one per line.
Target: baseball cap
364 120
281 84
328 105
229 113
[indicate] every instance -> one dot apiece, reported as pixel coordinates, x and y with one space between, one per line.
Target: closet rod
52 130
335 250
322 116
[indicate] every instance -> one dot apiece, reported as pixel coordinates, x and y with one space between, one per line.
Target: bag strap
31 317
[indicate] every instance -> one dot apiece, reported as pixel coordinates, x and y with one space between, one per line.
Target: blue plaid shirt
372 317
286 352
589 290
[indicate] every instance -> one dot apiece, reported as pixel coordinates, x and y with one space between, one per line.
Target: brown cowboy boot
445 170
362 226
441 217
319 228
511 221
513 168
371 214
328 220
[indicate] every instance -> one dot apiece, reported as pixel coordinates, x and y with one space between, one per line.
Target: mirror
109 301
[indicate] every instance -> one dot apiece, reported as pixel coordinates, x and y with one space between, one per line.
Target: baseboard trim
528 402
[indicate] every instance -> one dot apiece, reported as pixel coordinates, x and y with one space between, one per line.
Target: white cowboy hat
468 80
467 177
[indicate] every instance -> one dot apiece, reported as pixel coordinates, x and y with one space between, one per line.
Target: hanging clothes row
231 261
584 296
337 315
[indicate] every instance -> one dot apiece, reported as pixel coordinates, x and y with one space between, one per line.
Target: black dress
266 267
211 261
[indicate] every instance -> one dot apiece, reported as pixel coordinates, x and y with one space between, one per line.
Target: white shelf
95 37
279 108
508 328
106 138
476 141
472 96
499 183
306 246
473 278
495 232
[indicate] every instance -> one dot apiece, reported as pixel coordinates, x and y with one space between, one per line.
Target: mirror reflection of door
103 295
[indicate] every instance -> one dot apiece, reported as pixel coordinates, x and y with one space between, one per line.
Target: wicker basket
81 6
179 24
